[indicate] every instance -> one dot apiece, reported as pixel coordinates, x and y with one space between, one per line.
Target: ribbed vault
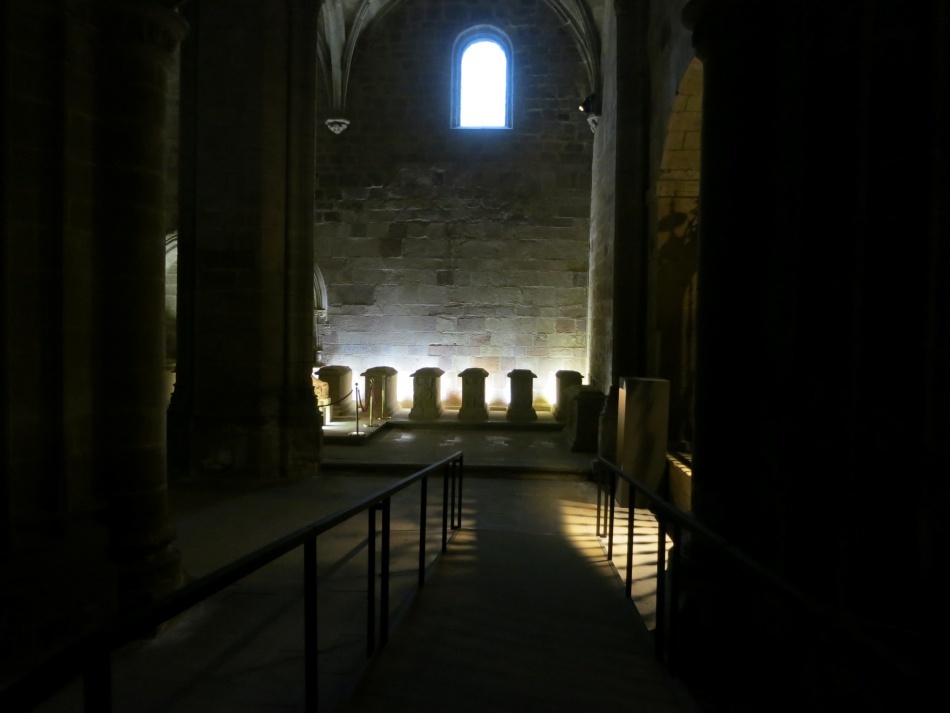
342 22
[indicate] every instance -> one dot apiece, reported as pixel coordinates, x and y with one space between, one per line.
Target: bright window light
483 100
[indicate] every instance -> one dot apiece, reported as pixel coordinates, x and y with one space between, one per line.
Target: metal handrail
90 656
667 579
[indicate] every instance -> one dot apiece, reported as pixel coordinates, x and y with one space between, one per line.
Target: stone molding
152 23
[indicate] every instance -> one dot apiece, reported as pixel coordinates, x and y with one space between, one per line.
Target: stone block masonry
456 249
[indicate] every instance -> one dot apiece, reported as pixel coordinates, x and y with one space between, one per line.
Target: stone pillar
521 405
563 401
245 300
342 398
379 384
824 347
426 394
83 503
135 42
584 422
474 407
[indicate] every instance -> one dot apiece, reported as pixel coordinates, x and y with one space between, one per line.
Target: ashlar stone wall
456 248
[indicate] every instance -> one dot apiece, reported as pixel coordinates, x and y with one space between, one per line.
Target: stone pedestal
379 391
642 417
566 379
426 394
321 391
473 407
520 407
584 418
340 379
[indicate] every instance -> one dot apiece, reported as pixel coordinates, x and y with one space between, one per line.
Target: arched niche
171 297
319 312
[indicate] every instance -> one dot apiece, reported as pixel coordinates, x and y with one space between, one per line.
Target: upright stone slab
321 391
340 379
473 407
521 405
426 394
643 410
379 391
584 421
563 403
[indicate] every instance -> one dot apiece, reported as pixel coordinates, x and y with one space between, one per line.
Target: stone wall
457 248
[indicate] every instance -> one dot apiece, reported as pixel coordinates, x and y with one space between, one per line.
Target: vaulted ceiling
342 22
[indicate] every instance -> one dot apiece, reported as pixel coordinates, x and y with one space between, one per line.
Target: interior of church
241 238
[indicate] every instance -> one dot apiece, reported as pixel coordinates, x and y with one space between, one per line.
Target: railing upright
630 522
311 650
660 635
445 507
371 582
384 576
611 505
91 656
675 559
422 531
669 570
457 473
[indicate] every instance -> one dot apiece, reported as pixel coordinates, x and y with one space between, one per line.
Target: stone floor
523 613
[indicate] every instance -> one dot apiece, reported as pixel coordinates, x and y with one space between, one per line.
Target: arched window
481 79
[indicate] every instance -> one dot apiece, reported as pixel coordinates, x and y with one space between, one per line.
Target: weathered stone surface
461 223
474 407
426 394
521 405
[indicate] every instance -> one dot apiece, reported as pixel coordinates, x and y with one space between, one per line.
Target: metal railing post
630 516
311 685
457 499
661 633
612 511
674 569
445 505
599 479
371 582
422 531
452 478
384 577
461 470
90 658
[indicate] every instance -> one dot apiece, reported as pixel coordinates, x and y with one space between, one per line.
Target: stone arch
320 304
171 296
471 36
677 211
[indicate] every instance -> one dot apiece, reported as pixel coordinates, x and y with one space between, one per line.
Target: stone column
246 243
136 42
474 407
795 357
630 333
521 405
566 379
426 394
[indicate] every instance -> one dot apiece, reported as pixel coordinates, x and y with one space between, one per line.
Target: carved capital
152 23
337 126
714 20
